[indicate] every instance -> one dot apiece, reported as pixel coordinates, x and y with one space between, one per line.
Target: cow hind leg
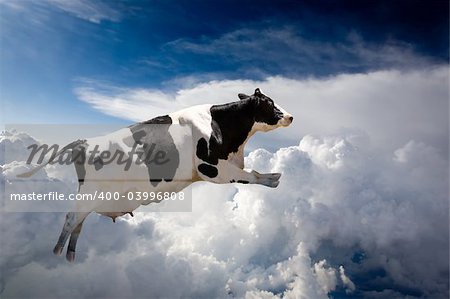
73 219
70 255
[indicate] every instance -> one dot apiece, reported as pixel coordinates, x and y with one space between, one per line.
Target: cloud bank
361 210
391 106
346 220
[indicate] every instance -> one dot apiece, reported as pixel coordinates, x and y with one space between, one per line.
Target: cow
218 137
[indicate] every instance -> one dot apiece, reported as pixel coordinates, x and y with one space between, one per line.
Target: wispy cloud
285 50
92 11
16 5
122 102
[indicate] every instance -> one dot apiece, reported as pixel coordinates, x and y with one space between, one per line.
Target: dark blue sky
48 48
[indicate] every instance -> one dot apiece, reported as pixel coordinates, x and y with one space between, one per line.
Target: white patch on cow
199 117
286 120
183 140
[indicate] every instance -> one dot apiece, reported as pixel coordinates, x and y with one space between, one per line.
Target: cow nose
291 118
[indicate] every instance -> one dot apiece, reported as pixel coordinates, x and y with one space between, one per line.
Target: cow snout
286 120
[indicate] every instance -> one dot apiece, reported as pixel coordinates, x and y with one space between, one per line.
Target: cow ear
243 96
257 92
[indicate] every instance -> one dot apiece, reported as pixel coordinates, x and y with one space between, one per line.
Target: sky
51 48
362 207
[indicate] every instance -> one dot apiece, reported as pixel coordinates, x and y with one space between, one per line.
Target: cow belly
115 208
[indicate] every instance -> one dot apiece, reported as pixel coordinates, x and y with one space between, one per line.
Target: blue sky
49 48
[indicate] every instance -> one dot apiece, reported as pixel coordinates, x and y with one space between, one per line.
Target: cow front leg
226 172
70 255
73 219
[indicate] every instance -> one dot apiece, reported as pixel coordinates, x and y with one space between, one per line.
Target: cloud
122 102
343 211
91 11
391 106
94 12
15 5
346 280
286 50
361 208
13 145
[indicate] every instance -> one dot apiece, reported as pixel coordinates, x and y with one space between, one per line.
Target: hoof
275 184
58 249
275 176
272 184
70 256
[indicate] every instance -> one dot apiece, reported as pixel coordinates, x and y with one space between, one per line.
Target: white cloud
366 172
392 106
326 276
346 280
124 102
337 193
13 145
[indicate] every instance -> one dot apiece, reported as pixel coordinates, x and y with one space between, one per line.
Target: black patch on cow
231 123
98 163
153 136
202 150
159 120
208 170
79 160
232 181
266 111
243 181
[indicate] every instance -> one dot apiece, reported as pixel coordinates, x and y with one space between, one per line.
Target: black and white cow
216 154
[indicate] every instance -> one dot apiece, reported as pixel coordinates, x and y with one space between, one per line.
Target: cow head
268 115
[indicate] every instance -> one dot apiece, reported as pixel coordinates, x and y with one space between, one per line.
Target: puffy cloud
342 212
13 146
326 277
358 199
